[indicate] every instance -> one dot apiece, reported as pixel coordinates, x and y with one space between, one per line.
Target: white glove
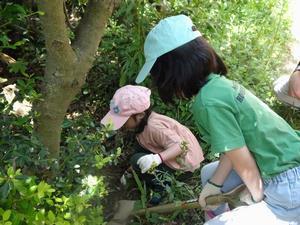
148 161
208 190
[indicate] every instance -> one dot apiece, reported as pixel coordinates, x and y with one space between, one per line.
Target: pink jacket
176 144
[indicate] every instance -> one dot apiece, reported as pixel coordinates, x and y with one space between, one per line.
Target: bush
75 195
26 201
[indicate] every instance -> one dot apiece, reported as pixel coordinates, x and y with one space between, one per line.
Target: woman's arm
245 166
222 171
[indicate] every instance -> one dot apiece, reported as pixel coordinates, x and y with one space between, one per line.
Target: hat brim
115 120
144 72
281 89
281 85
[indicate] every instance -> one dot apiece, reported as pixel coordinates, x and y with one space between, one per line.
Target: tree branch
55 31
92 26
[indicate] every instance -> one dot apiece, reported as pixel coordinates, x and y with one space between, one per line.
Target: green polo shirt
229 116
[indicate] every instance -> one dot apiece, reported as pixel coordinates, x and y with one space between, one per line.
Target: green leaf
67 216
41 13
51 216
66 123
5 190
44 188
40 216
18 67
81 219
13 11
83 2
5 40
25 205
85 91
51 190
141 189
58 200
50 202
10 172
79 208
19 43
19 185
6 215
33 188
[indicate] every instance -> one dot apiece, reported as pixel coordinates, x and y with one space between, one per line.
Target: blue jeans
282 194
281 204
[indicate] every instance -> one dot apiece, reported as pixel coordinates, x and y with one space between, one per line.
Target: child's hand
148 161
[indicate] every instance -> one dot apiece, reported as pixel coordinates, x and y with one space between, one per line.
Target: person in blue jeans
252 140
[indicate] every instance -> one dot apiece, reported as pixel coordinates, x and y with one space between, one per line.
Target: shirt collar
212 76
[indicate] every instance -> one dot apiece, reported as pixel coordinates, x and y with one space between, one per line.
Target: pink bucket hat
127 101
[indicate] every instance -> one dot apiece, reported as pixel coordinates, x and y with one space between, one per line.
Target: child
257 143
163 142
287 88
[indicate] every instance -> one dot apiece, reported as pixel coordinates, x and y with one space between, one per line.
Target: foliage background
251 36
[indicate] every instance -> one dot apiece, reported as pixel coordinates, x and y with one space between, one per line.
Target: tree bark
67 64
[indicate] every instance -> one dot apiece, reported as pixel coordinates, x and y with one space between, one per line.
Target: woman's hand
213 186
209 189
246 197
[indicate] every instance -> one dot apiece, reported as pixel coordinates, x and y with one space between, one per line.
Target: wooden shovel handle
231 198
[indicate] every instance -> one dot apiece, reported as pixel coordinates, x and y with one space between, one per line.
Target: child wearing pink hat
163 142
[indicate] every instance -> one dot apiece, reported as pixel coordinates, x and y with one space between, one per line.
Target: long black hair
183 71
144 121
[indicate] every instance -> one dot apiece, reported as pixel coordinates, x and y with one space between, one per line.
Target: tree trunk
67 64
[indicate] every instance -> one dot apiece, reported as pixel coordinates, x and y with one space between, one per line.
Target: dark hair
144 121
183 71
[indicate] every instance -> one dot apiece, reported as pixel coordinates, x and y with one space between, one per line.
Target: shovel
126 208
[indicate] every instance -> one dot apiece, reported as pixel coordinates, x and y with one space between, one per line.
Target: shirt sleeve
223 128
169 142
